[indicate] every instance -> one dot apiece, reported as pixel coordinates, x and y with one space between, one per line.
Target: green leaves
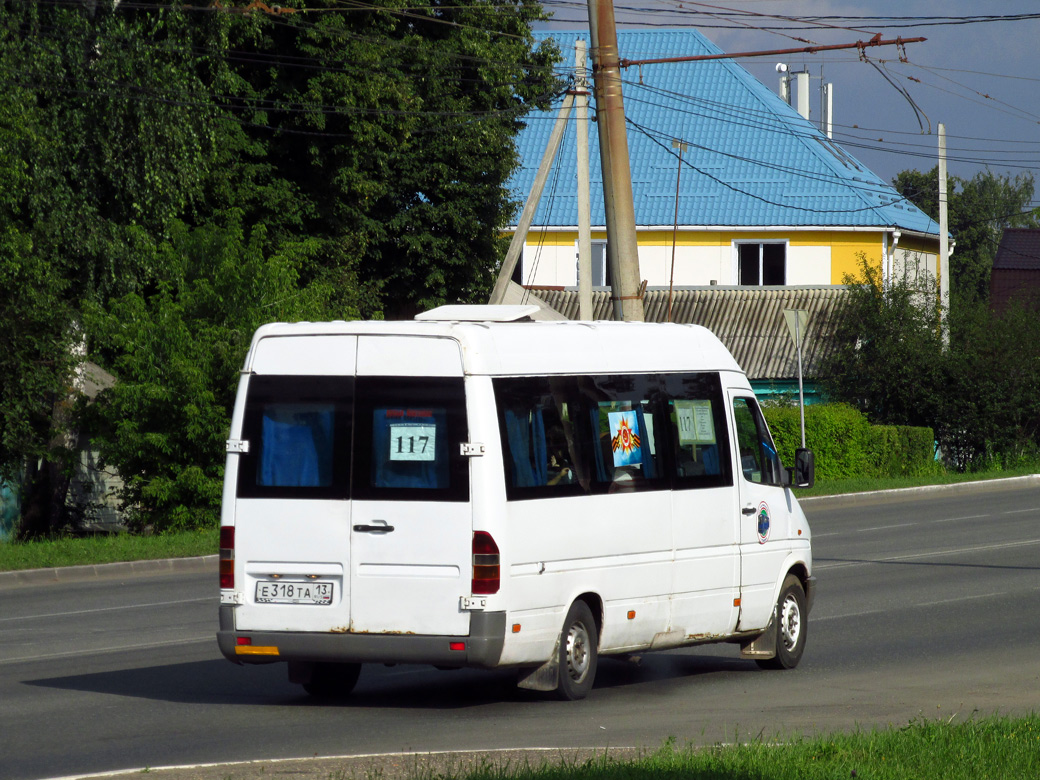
978 394
176 352
170 179
36 341
980 209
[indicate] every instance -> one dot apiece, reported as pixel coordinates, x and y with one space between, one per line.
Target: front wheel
579 644
791 626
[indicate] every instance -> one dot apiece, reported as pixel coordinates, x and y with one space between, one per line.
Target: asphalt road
927 607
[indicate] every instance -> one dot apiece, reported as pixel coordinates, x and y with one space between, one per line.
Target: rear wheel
579 643
791 626
332 681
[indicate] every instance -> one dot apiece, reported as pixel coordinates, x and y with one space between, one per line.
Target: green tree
404 138
978 394
980 209
887 359
352 163
990 413
177 352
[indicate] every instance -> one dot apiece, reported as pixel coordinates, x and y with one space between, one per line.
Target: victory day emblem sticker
763 522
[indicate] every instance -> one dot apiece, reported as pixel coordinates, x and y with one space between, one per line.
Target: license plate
284 592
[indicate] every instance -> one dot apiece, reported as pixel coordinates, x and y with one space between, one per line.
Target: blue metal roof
751 159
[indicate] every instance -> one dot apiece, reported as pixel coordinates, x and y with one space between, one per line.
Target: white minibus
475 489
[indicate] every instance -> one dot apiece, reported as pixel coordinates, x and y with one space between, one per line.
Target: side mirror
804 471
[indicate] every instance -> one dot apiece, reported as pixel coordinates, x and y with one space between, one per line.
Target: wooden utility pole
619 210
584 198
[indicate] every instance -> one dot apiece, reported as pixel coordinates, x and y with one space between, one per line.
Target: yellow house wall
551 255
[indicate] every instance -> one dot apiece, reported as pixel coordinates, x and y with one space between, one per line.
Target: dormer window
761 264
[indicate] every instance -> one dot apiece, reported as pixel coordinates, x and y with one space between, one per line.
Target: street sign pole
796 319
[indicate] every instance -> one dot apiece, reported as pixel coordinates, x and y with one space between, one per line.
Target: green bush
847 446
900 451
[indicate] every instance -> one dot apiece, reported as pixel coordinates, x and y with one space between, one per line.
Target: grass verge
994 747
840 486
74 551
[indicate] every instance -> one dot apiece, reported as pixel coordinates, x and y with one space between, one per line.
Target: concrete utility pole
622 247
944 241
584 198
516 243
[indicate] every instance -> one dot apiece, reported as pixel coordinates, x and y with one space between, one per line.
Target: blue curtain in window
297 446
519 442
602 475
709 456
539 450
525 434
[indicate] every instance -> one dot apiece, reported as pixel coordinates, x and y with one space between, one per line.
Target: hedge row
846 445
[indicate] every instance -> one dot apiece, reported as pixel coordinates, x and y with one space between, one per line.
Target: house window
600 267
761 264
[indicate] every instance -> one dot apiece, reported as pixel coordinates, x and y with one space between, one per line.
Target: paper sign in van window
695 422
411 442
625 441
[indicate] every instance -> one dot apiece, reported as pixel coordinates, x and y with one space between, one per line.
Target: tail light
227 557
486 569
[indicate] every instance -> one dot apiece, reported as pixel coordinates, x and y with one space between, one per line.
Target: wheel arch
595 603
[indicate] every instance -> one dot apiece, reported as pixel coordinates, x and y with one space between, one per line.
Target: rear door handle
748 510
374 529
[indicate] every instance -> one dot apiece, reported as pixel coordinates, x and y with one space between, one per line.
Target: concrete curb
956 487
67 574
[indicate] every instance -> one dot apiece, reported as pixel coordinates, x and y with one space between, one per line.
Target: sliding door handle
374 529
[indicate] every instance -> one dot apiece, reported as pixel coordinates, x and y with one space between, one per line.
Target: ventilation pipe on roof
827 110
785 82
802 80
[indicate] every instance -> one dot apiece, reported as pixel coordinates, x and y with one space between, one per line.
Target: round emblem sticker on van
763 522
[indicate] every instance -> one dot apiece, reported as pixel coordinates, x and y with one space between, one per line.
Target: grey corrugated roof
748 320
752 160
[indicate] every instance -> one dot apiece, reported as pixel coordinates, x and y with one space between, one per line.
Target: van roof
495 348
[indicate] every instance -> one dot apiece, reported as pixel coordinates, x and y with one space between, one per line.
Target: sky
978 73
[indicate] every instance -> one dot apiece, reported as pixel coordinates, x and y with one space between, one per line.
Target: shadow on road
404 687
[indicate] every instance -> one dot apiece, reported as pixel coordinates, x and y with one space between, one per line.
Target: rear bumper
482 648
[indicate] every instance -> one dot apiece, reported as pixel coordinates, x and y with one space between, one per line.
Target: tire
332 681
792 626
579 656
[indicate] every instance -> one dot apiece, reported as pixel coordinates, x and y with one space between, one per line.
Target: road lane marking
102 650
213 598
915 556
907 525
889 609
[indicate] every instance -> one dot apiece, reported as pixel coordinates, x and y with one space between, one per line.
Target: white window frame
759 242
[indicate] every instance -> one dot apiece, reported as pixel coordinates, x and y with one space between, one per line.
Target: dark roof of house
1019 250
751 161
748 320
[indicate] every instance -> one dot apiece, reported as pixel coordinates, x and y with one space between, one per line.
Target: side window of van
299 431
407 438
759 461
574 435
700 443
544 453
